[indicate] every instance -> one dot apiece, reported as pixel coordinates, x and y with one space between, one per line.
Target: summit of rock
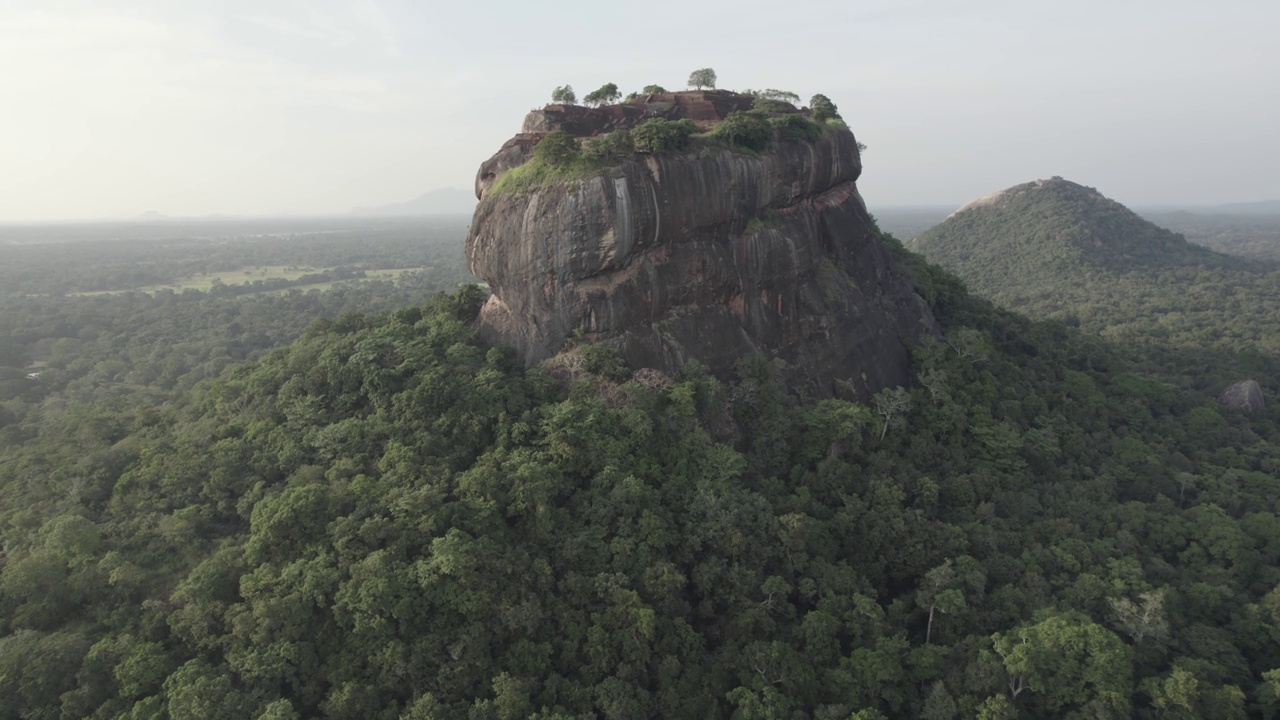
705 108
707 253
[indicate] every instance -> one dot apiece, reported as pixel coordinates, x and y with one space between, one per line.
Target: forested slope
389 519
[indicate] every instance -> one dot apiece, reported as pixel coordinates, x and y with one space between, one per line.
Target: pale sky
259 107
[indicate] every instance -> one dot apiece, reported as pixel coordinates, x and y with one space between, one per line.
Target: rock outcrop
707 254
1245 395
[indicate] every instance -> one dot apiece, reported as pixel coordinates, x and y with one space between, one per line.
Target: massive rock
1245 395
709 254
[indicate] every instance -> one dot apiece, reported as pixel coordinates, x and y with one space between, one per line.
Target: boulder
1245 395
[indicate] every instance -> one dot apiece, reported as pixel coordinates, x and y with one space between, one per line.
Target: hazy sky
317 106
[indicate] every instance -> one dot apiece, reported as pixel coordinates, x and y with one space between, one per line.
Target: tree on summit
823 108
564 95
607 93
702 78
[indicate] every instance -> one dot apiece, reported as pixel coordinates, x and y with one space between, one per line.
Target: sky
267 107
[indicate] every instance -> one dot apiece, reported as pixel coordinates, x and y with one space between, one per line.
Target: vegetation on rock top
560 156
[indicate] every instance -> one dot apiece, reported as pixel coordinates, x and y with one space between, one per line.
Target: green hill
1056 249
1050 230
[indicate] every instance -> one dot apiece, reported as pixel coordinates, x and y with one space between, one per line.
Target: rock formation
1245 395
707 254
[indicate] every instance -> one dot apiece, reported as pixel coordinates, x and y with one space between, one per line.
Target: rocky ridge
707 254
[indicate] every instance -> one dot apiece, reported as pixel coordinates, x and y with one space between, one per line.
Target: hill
1259 207
1050 230
1056 249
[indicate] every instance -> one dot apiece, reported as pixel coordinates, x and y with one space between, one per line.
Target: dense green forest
1235 233
385 518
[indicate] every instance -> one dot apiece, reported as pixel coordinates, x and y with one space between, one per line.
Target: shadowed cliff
709 253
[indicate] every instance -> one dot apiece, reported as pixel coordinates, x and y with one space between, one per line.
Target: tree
969 344
1067 661
605 94
775 94
564 95
198 690
939 593
823 109
614 146
1181 695
653 89
557 148
892 404
702 78
1143 620
938 704
35 669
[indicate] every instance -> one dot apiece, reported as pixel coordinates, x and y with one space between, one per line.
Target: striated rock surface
1245 395
709 254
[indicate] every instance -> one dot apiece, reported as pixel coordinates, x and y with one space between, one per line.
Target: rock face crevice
709 255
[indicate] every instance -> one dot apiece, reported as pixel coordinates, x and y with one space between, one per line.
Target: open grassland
204 282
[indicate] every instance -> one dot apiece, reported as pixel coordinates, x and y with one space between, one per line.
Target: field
247 276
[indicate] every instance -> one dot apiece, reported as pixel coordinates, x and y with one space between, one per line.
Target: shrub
768 220
770 105
557 158
663 136
557 149
749 130
653 89
612 147
775 94
604 361
796 127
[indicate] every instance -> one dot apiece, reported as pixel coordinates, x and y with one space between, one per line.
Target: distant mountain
1262 207
1025 243
437 202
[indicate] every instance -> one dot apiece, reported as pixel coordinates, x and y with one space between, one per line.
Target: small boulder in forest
1245 395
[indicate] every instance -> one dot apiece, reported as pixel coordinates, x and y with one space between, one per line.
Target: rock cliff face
709 254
